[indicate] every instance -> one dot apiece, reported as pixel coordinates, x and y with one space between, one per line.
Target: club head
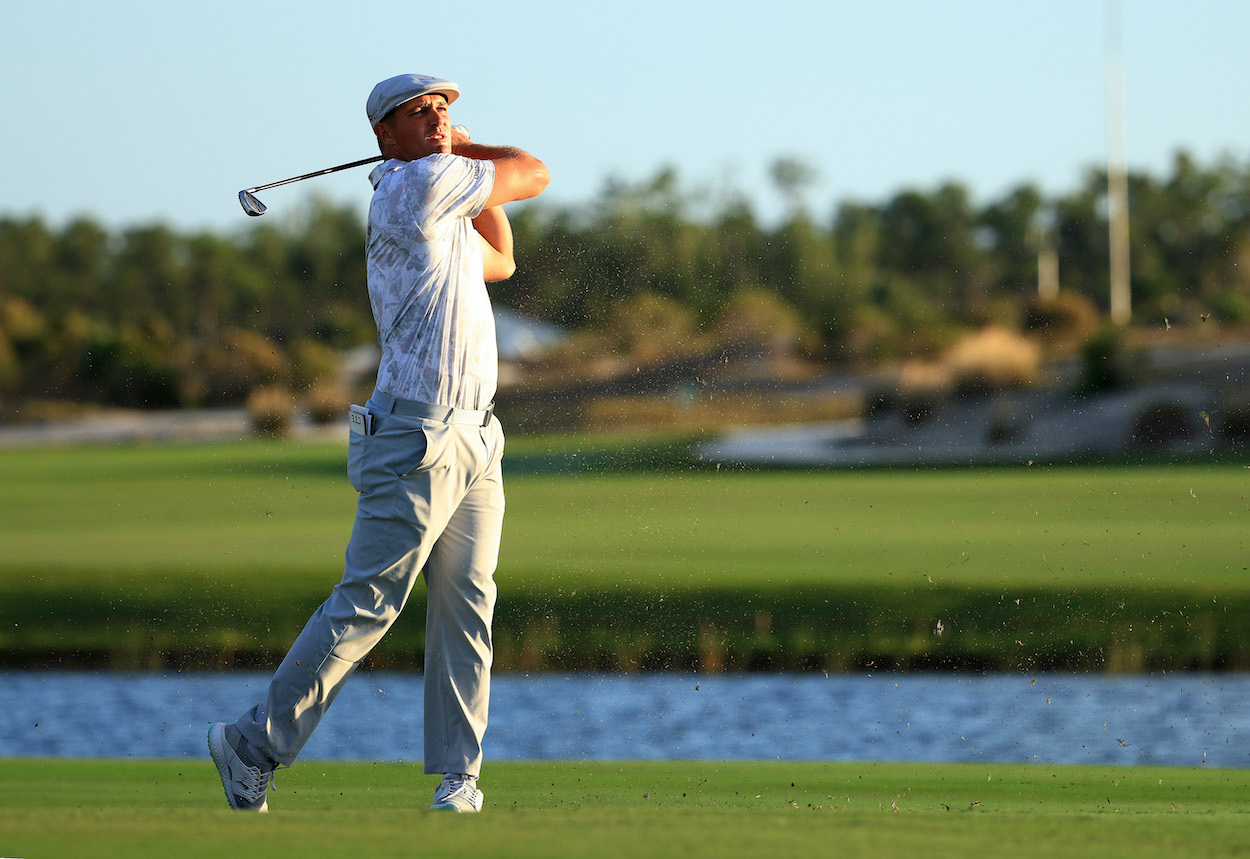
251 205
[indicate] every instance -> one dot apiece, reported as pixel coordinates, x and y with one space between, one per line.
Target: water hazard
1173 719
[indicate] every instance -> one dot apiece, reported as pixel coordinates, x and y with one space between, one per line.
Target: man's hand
459 138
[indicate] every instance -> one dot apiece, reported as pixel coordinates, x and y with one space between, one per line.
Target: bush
1004 310
1231 307
650 327
271 409
873 335
242 362
125 369
1106 363
759 317
22 322
1006 425
1068 317
342 326
1160 424
918 406
1232 421
314 363
922 388
326 402
10 369
991 359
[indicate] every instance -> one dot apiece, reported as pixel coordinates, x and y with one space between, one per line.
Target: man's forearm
518 175
484 152
498 262
493 226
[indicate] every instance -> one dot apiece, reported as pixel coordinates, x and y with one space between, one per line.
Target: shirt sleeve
446 188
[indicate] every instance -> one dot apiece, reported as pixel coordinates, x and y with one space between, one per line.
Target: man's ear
384 135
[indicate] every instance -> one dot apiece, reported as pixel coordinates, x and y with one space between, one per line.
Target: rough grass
107 808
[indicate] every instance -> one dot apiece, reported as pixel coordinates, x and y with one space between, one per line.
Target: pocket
394 451
355 459
419 451
493 441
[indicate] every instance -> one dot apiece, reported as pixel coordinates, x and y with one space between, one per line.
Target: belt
429 411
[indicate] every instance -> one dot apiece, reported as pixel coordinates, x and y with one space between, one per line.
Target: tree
793 176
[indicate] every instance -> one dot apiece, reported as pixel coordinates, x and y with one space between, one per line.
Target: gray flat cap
393 92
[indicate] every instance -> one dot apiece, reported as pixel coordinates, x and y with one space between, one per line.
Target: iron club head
251 205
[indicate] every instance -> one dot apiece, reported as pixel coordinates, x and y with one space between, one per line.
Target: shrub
1066 317
757 316
243 361
1004 310
918 406
271 409
326 402
22 322
314 363
650 327
1231 307
993 358
1006 424
879 401
1160 424
1106 362
10 369
922 387
125 369
873 335
1232 421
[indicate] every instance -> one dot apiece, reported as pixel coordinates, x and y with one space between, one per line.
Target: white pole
1117 178
1047 272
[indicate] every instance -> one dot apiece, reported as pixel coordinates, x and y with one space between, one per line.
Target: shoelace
254 783
457 785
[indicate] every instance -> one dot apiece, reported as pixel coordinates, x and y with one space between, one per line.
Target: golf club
255 208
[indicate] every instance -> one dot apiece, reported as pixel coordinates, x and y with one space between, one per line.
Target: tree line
151 317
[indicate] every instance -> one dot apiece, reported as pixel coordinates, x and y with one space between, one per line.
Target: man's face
416 128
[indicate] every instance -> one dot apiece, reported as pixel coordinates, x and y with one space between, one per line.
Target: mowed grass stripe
227 508
104 808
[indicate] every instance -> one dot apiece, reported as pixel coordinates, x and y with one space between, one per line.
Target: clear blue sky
133 112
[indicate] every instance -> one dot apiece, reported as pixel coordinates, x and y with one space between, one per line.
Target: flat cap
392 92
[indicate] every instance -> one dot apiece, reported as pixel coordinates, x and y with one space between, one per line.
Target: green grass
105 808
203 555
226 509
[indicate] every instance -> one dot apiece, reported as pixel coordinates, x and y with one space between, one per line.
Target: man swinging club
424 453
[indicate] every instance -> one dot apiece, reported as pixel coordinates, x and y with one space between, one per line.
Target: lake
1165 719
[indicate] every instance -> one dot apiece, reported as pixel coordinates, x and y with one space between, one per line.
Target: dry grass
993 358
687 410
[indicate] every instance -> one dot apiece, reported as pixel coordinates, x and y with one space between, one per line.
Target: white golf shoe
458 792
246 785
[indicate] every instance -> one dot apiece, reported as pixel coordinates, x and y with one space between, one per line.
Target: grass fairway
111 808
209 556
222 511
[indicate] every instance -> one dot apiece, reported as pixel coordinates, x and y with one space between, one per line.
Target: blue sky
133 112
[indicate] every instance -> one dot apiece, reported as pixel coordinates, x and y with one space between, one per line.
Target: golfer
424 453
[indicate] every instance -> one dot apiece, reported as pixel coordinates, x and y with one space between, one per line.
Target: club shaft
324 172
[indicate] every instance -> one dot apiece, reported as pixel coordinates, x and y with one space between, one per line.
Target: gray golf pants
431 499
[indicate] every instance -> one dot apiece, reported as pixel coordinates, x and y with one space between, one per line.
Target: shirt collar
387 166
